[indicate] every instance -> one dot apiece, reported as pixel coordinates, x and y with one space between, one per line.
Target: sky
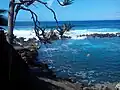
80 10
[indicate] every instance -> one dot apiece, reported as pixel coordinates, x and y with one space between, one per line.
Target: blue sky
79 10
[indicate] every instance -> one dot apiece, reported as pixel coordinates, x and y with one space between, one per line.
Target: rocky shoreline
42 71
46 78
98 35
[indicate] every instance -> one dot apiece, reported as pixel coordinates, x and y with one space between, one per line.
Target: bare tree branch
54 14
65 2
17 8
65 27
20 6
29 2
36 27
34 17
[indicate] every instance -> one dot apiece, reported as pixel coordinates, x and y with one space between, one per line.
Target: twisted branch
16 12
29 2
20 6
36 27
65 2
54 14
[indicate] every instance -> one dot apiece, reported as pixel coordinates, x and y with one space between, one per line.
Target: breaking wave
29 33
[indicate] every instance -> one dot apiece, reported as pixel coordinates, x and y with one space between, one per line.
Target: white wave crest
24 33
50 49
74 34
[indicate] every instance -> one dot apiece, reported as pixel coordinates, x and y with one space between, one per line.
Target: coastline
72 34
66 83
50 76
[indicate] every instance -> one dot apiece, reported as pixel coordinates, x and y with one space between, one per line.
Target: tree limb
29 2
65 2
16 12
37 28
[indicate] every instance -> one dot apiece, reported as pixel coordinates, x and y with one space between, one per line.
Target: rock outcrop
15 73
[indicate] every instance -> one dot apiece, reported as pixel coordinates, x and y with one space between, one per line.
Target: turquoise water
96 60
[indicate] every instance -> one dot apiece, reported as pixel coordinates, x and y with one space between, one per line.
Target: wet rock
97 35
66 37
28 56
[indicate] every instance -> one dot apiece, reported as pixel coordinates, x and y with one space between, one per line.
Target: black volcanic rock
15 72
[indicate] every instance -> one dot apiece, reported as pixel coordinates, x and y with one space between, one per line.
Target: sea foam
73 33
24 33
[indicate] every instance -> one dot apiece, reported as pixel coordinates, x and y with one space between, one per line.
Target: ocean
92 60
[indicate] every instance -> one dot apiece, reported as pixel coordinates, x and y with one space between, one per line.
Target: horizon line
68 20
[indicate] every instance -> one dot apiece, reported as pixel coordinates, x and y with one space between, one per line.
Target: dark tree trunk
11 21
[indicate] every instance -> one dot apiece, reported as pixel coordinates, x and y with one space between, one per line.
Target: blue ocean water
90 59
78 24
